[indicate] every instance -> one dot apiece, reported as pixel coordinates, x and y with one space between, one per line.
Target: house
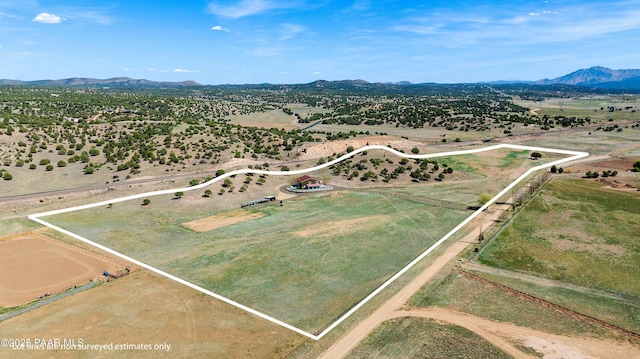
309 182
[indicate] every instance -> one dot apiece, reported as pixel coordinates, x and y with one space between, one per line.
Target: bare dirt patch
619 164
31 267
325 149
502 335
580 246
617 184
221 220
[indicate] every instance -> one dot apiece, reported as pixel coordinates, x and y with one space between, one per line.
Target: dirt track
31 267
553 346
503 336
387 310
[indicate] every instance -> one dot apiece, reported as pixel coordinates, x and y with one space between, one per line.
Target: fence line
555 306
9 237
61 295
118 263
299 190
416 199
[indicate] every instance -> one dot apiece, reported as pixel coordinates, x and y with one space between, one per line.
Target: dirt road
501 335
386 311
504 335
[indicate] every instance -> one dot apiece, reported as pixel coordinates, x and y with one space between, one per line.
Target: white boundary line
574 156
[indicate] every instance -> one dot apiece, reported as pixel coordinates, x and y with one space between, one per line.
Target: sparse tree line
87 129
595 174
386 170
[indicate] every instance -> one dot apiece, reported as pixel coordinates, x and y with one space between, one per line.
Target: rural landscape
306 221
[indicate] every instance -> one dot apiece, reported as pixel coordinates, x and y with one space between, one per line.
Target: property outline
574 156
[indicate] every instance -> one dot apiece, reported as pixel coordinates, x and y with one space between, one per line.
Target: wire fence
40 303
116 262
120 264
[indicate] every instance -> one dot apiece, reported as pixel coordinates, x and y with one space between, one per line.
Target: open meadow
575 231
315 251
305 263
313 258
570 246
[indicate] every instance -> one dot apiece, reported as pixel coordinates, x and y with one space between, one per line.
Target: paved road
107 186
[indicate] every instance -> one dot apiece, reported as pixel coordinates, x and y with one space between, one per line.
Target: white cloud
219 28
246 8
47 18
546 12
183 70
315 73
290 30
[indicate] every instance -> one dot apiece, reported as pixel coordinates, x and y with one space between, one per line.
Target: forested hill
91 82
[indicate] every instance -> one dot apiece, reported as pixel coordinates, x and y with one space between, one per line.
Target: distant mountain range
594 77
598 77
90 82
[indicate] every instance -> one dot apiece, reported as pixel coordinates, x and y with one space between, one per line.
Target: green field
309 261
580 238
623 311
424 338
595 108
305 263
578 232
463 294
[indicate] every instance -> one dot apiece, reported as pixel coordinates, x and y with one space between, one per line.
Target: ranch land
555 275
308 261
571 246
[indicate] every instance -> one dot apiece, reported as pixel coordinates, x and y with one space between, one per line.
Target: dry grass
221 220
146 308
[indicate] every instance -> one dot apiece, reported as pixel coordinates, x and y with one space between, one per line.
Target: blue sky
299 41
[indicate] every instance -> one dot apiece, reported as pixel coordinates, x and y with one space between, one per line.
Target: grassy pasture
586 107
305 263
619 310
324 251
424 338
578 232
595 142
475 174
459 293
